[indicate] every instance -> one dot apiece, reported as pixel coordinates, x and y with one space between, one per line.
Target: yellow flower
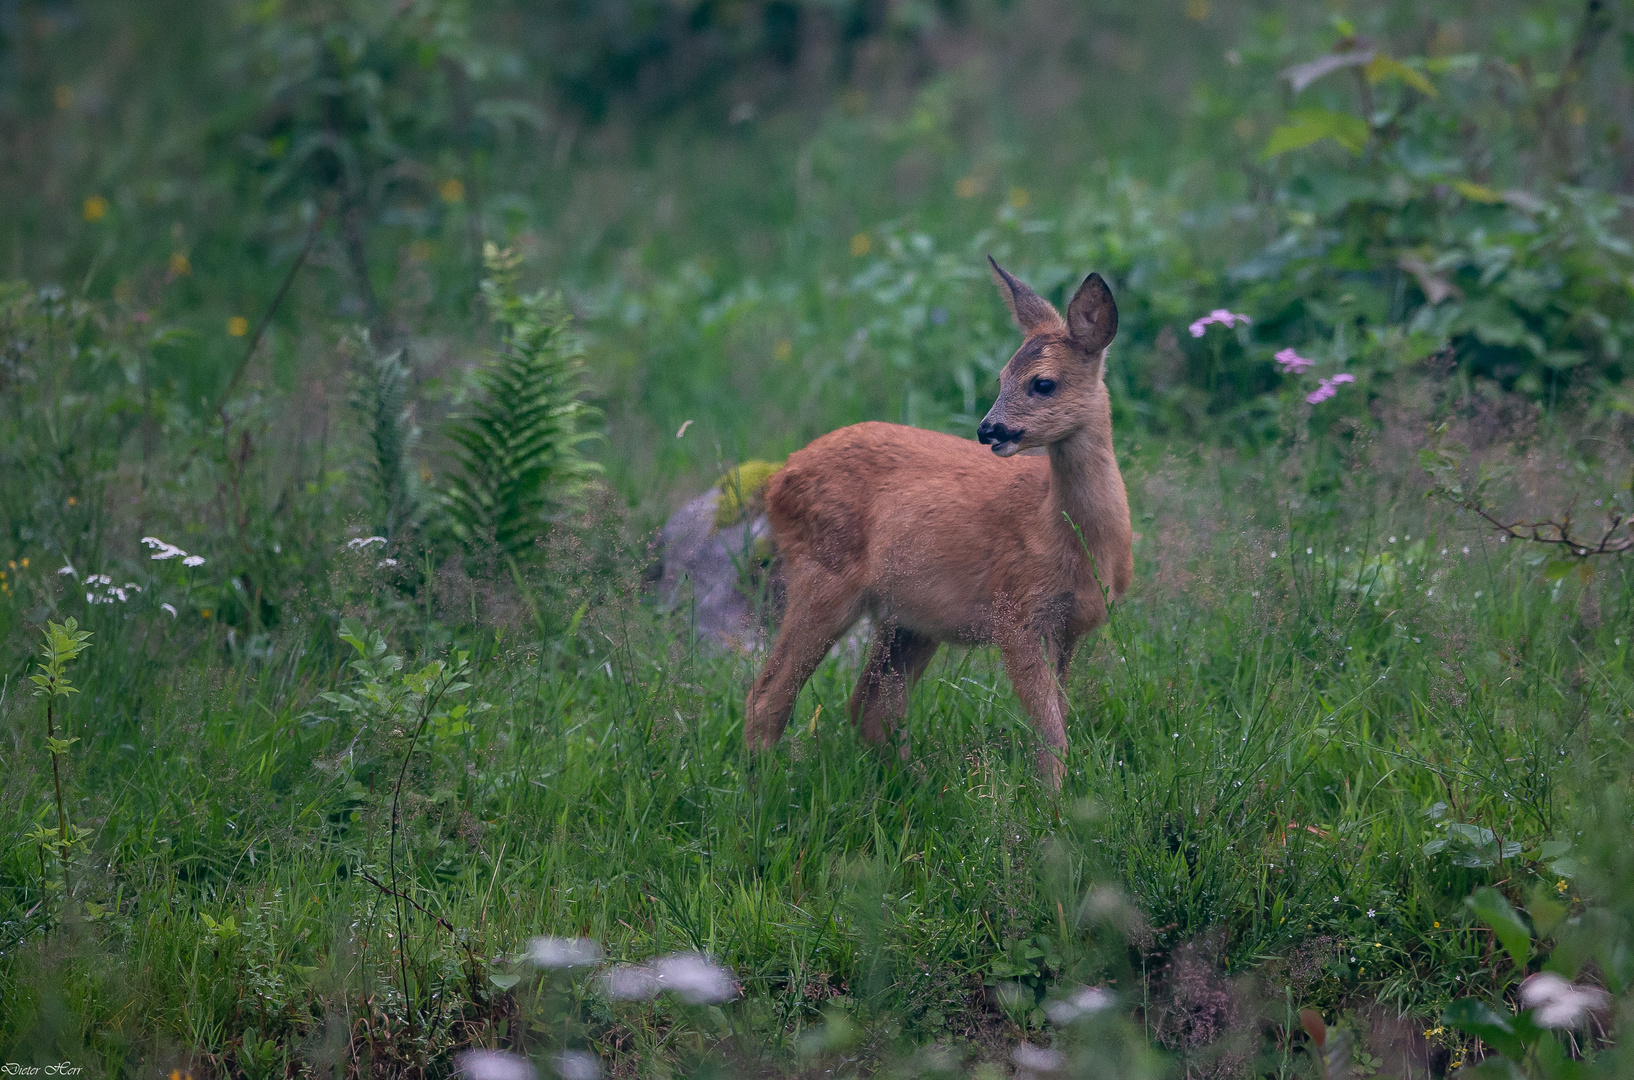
205 613
63 95
95 208
180 265
25 562
1437 926
72 501
861 244
782 350
452 190
1019 197
969 187
238 326
1560 886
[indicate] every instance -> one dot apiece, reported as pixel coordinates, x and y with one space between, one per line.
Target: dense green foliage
354 349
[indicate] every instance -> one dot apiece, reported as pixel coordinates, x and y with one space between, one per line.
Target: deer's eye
1043 387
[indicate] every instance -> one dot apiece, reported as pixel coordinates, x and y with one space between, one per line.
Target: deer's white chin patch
1007 449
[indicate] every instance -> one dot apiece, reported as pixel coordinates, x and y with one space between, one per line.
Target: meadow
355 352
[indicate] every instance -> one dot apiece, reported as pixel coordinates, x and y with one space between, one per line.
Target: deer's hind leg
821 607
895 661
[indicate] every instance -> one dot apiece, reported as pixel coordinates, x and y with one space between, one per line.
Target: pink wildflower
1218 315
1292 363
1328 387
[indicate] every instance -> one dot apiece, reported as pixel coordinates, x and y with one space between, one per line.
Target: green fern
380 395
520 462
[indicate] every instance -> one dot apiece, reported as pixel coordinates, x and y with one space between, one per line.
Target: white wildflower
99 579
576 1065
364 541
1556 1003
68 569
193 560
494 1065
167 607
385 562
163 550
1084 1001
562 952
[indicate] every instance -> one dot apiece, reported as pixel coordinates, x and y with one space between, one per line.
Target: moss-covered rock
742 489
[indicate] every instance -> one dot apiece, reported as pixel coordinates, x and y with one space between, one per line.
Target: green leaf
1514 935
1383 67
1556 569
504 982
1477 1018
58 747
1308 126
1477 192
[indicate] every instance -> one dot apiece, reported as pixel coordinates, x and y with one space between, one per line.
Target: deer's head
1052 388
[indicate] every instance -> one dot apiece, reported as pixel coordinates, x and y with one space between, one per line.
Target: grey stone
704 570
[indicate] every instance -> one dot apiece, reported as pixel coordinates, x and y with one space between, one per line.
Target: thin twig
272 308
389 891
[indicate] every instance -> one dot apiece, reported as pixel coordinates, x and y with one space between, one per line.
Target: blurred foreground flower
494 1065
693 976
1556 1003
576 1065
561 952
1328 387
1031 1060
1084 1001
1225 318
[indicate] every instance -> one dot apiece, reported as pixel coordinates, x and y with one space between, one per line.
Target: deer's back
879 501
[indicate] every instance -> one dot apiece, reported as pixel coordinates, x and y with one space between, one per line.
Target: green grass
1257 749
1329 711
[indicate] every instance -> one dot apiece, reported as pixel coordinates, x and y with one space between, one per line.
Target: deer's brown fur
941 539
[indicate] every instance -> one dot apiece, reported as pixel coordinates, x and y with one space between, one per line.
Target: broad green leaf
1474 1017
1513 934
1308 126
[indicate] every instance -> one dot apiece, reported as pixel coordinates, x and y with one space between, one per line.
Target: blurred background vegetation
281 277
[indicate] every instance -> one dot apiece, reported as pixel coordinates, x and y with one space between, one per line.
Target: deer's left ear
1092 317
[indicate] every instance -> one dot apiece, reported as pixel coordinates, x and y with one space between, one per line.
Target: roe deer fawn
940 540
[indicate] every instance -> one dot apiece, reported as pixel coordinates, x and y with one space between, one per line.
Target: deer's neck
1086 491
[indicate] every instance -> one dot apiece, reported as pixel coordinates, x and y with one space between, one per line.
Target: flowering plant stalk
63 642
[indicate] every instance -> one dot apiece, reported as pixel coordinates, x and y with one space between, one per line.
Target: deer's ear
1030 311
1092 317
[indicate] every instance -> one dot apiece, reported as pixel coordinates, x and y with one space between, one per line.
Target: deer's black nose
995 433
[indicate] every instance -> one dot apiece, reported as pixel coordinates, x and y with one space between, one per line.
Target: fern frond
520 458
380 396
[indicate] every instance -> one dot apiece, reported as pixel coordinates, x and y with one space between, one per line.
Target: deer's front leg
1031 666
